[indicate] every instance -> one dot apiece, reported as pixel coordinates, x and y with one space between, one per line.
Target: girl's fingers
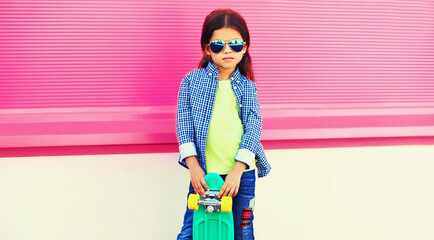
203 182
198 188
200 191
203 186
229 191
224 191
195 188
233 192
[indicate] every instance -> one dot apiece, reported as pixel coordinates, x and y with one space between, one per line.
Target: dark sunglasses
217 46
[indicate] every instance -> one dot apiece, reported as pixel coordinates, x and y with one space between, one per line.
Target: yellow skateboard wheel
226 204
193 201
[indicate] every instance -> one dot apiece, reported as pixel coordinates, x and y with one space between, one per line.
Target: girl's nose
227 49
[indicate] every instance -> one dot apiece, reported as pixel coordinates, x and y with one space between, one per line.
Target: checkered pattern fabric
245 217
195 106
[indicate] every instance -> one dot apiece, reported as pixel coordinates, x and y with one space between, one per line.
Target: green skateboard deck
213 219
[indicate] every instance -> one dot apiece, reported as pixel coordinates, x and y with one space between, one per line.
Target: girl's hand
232 182
197 176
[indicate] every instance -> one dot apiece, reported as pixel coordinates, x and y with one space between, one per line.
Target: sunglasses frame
226 42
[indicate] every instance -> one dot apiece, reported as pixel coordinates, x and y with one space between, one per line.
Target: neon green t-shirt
225 131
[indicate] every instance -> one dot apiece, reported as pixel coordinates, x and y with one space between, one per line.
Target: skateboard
212 217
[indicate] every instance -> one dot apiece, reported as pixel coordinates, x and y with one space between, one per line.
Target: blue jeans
245 199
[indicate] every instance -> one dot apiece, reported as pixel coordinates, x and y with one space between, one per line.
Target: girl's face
227 58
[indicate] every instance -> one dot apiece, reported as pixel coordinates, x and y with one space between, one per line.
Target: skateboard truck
211 202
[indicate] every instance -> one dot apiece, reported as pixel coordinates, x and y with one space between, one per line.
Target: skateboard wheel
193 201
226 204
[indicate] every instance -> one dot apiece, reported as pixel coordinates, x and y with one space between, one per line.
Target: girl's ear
207 51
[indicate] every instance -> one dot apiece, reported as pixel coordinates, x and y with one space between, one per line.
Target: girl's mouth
228 59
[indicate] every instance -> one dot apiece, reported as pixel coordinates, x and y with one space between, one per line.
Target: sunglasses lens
236 45
216 46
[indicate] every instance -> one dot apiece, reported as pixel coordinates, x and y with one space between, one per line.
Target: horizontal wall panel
108 72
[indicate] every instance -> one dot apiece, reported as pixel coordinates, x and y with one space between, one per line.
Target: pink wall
107 72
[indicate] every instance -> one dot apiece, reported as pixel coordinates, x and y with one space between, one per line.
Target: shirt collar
211 68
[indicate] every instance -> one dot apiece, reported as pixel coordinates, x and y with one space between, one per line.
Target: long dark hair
225 17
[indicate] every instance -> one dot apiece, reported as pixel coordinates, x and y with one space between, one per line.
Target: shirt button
238 81
235 88
233 78
210 74
241 105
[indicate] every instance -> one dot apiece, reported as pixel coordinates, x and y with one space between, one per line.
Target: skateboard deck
212 219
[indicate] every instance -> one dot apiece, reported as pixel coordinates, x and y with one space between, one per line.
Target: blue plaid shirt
195 106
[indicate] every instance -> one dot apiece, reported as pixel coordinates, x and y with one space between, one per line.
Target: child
218 120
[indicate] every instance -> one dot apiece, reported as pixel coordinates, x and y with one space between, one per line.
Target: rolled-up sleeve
184 122
252 129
